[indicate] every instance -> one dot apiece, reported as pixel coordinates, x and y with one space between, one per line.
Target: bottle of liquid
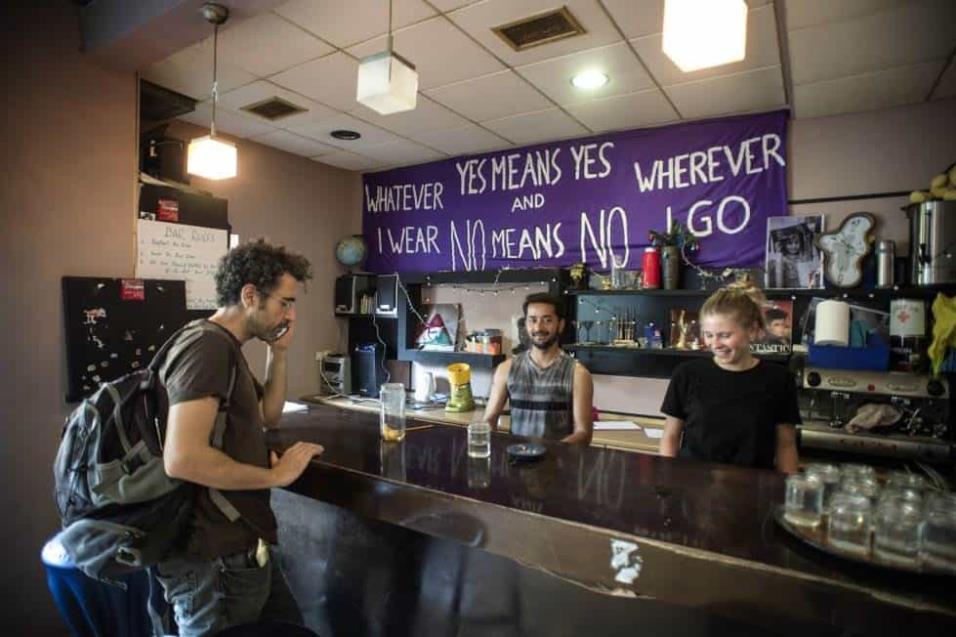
652 267
885 257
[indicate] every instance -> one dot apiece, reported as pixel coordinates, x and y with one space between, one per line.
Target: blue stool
90 607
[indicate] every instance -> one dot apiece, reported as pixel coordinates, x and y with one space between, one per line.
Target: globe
351 251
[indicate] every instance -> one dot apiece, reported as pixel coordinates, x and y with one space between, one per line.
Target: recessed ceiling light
347 135
589 80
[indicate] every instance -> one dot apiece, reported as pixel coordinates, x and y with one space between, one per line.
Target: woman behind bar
733 407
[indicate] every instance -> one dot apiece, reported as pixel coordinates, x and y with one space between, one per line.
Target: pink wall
68 205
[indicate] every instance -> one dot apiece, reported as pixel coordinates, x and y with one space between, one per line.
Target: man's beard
545 344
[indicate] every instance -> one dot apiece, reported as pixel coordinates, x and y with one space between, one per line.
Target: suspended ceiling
476 94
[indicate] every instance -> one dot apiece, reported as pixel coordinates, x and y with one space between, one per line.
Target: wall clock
844 249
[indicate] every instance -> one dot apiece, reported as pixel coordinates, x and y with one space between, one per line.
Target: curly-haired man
225 575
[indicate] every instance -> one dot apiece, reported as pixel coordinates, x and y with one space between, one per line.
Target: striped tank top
541 397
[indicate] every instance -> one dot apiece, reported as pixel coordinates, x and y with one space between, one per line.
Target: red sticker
132 290
168 210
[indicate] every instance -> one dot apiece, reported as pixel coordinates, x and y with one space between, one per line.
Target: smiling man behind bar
550 392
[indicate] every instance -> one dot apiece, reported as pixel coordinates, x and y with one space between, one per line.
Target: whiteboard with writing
177 251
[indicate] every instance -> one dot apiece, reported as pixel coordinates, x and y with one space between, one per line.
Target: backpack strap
219 428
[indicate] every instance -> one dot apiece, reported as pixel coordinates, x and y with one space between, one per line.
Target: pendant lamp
387 82
699 34
209 156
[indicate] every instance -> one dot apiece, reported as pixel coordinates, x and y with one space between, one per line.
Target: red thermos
652 267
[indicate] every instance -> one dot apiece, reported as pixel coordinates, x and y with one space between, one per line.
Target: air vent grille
273 108
540 29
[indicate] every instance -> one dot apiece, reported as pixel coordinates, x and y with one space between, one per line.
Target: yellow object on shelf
459 378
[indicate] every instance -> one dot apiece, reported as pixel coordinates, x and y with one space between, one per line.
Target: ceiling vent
273 108
541 29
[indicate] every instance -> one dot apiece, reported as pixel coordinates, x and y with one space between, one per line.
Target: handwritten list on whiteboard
181 252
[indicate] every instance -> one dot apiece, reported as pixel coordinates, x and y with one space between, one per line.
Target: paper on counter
615 425
653 433
289 407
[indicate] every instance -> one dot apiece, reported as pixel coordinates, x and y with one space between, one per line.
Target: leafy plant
678 236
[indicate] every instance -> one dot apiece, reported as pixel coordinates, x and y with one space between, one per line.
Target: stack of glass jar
899 520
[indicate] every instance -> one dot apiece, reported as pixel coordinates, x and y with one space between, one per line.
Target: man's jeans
210 596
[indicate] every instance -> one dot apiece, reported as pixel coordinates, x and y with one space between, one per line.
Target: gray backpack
119 509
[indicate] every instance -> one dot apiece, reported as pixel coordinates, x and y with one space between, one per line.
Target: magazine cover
778 333
440 331
793 261
685 330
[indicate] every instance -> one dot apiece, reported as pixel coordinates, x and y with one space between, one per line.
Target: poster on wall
793 259
590 200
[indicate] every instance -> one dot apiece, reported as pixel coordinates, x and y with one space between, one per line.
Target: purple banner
592 199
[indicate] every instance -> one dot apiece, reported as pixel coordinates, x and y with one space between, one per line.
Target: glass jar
392 414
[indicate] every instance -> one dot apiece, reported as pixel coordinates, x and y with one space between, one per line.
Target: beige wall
67 200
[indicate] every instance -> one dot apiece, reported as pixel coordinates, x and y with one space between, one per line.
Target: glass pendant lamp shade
387 83
699 34
211 157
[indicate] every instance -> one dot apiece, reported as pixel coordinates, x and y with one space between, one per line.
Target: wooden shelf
485 361
646 351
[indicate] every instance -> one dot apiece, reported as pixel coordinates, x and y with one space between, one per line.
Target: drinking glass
479 439
804 500
479 473
829 475
848 525
938 537
851 471
392 414
896 530
861 485
905 480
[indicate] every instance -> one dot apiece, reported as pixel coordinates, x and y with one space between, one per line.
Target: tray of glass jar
898 521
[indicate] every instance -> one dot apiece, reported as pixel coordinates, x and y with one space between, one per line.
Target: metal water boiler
932 242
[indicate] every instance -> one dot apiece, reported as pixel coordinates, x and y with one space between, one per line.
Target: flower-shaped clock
843 250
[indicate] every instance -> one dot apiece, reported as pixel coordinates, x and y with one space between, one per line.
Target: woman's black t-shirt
731 417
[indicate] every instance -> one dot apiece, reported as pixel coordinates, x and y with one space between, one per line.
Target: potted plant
674 244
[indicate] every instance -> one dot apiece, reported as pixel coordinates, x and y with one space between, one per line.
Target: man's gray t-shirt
201 370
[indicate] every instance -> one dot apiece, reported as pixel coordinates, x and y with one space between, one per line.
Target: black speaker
368 369
386 295
348 290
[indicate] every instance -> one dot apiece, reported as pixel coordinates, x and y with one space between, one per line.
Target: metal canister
885 258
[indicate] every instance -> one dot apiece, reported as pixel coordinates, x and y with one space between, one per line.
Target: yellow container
459 374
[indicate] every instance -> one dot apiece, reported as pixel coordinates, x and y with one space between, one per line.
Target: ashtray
526 451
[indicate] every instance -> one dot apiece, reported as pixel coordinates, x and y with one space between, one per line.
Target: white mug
425 387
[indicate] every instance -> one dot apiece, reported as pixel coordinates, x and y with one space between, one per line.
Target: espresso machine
830 398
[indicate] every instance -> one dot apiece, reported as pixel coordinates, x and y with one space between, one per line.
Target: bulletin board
115 326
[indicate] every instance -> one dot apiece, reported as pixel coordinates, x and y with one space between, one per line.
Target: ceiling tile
347 23
916 32
331 80
401 152
882 89
463 141
617 61
427 115
532 128
319 131
947 85
348 161
644 17
478 20
450 5
807 13
757 90
263 90
645 108
189 72
292 143
441 53
235 124
762 51
266 44
490 97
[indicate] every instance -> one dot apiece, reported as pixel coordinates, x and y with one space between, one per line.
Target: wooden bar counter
417 538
